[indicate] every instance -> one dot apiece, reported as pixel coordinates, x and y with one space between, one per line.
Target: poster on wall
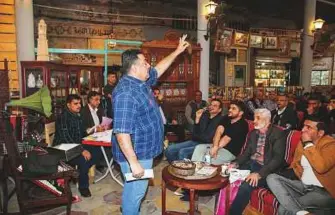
284 46
223 40
241 39
270 42
256 41
295 48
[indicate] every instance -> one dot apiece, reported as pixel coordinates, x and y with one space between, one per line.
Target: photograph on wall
270 43
284 45
223 40
241 39
256 41
295 48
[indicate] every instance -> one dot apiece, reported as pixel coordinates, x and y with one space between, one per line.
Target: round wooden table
216 182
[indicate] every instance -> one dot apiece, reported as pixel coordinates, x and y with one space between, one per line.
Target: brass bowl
184 168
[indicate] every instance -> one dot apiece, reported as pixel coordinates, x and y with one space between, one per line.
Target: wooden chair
27 204
50 130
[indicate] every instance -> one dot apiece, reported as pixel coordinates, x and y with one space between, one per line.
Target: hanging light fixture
317 24
210 9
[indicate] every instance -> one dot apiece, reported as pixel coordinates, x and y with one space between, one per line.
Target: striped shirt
136 112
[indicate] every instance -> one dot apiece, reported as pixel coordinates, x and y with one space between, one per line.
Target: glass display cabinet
61 80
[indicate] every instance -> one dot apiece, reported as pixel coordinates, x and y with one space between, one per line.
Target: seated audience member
192 107
315 109
264 154
284 116
254 103
205 124
314 166
331 114
270 101
69 129
170 124
92 114
229 137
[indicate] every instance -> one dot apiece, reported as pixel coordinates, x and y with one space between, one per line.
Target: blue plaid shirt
137 113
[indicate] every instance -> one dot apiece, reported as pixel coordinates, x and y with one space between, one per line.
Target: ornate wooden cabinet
181 80
61 79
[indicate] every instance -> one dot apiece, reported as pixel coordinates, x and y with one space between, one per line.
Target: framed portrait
223 40
270 43
295 48
241 39
256 41
284 45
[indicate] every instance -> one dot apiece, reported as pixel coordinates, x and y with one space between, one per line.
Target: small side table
216 182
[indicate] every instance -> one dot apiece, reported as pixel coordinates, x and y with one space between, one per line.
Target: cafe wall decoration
224 40
270 43
284 46
256 41
241 39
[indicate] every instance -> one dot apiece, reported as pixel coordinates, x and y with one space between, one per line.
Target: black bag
39 162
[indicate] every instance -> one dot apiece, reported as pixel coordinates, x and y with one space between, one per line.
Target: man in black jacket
284 116
205 124
92 114
264 154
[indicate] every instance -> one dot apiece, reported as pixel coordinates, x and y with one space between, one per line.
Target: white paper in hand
148 173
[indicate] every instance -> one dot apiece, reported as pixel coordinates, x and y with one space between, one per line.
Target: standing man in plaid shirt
138 130
264 154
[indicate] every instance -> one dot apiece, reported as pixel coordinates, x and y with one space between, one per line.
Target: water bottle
207 157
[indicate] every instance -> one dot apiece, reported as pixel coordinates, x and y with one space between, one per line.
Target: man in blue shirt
138 131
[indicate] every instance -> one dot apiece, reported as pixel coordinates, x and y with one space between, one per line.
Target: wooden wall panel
7 28
8 42
8 38
7 9
7 18
11 47
11 56
12 2
11 65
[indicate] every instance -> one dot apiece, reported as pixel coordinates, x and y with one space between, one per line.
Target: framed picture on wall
256 41
270 42
241 39
284 46
223 40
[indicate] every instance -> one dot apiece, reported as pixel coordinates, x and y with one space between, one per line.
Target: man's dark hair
239 104
92 94
220 102
198 91
155 88
111 73
128 59
314 97
72 97
283 94
320 124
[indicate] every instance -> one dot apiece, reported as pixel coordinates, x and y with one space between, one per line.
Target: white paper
148 173
236 174
104 136
106 121
206 170
65 146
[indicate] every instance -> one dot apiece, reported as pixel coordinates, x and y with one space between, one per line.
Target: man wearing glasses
313 191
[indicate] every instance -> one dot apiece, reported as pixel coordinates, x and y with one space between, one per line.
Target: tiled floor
106 199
